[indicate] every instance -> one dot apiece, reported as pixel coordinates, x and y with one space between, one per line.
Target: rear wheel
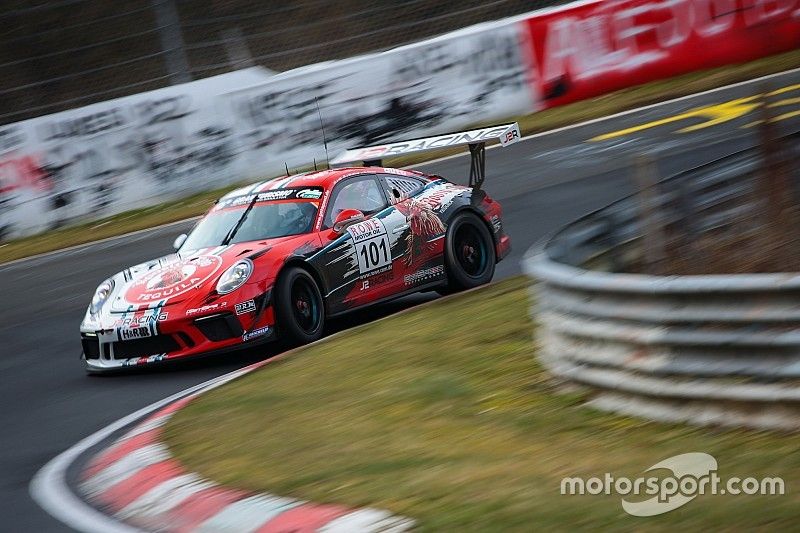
299 309
469 254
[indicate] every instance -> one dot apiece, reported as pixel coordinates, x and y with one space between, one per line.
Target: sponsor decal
373 274
144 319
206 308
395 171
280 194
134 361
509 137
366 229
426 274
311 194
377 278
260 332
126 334
174 280
371 241
497 224
505 134
245 307
274 195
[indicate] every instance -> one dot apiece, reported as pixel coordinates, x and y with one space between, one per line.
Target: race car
276 259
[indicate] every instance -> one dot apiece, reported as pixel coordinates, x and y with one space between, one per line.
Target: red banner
596 47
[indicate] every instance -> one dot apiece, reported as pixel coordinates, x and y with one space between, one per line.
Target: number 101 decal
372 245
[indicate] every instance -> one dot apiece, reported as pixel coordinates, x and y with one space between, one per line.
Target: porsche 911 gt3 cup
277 258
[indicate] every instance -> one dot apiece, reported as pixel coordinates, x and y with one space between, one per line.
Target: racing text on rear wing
372 155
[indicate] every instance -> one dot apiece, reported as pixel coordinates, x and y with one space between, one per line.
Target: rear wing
475 139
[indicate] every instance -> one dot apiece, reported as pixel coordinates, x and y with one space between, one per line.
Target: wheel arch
478 213
296 261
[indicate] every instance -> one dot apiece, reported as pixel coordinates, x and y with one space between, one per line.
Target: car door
359 264
423 234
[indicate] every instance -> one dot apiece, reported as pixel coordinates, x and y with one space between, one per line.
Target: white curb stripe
49 486
367 521
247 515
147 426
165 496
126 467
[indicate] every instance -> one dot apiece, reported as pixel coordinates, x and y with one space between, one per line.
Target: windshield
266 220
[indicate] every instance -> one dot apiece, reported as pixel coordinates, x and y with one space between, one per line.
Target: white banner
435 86
99 160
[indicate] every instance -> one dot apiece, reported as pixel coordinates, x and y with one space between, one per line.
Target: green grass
537 122
443 414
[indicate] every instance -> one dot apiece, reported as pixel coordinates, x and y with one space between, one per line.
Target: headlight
235 276
101 295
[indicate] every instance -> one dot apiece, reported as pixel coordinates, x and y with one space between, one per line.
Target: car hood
179 277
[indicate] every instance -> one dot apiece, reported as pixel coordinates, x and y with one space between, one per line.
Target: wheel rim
305 306
471 250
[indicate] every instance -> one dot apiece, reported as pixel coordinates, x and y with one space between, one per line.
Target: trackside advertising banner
592 48
441 85
142 150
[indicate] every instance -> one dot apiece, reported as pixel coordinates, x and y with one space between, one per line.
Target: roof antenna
287 168
315 164
324 140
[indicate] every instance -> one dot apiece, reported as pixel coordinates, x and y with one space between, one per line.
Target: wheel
299 309
469 255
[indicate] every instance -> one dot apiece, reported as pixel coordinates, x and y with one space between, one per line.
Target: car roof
326 179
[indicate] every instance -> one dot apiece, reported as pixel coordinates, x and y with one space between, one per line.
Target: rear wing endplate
475 139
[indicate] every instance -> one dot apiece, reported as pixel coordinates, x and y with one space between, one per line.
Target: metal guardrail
703 349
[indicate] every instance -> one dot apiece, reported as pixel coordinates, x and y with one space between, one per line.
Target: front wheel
299 309
469 254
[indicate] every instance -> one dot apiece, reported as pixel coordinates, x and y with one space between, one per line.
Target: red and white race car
279 257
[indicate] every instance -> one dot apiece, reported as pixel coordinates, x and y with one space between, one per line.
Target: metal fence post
650 214
172 41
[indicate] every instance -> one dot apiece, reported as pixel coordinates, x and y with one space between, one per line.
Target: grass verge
537 122
443 414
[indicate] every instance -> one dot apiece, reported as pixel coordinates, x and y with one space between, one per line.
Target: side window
362 193
398 188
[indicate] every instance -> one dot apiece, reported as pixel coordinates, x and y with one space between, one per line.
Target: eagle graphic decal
424 226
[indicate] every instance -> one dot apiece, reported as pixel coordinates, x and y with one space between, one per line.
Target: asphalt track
48 403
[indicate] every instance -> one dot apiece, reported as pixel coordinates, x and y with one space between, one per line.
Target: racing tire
299 307
469 254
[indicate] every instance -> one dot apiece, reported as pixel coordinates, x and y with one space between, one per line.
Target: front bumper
99 366
147 340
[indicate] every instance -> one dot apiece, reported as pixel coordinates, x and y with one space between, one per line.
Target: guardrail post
171 38
654 240
775 186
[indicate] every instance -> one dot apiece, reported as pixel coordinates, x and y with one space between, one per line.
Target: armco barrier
141 150
705 349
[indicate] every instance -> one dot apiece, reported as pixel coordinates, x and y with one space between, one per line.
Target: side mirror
179 240
346 218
